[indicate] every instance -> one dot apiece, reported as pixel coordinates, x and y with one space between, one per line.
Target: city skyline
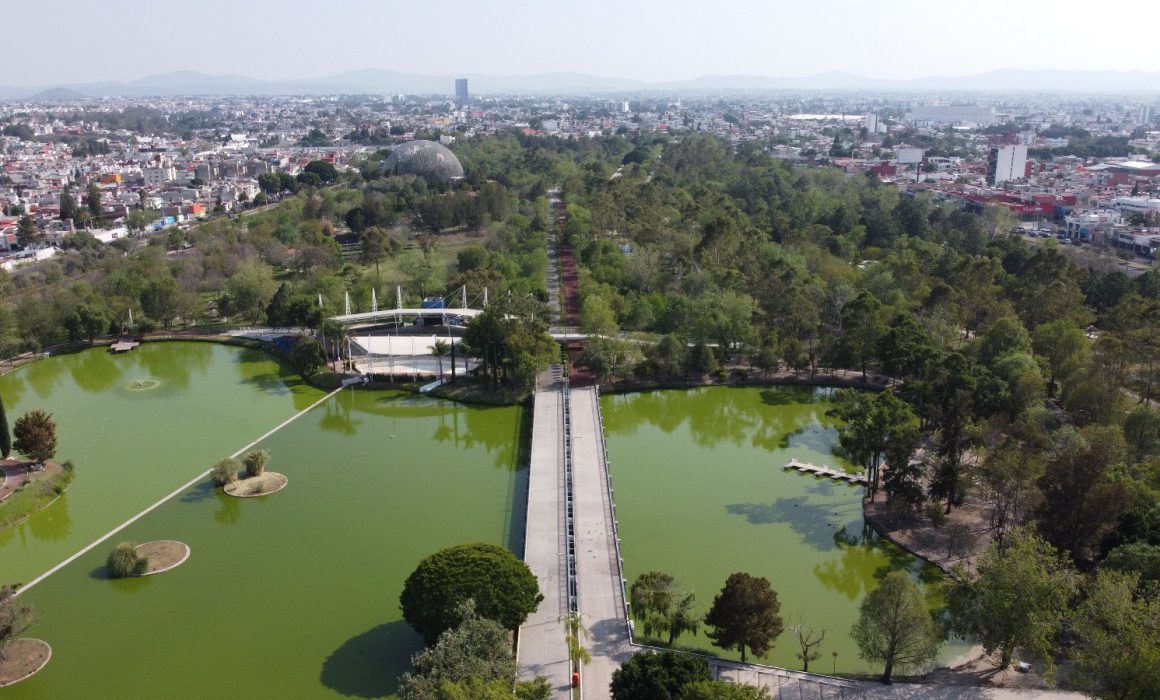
648 42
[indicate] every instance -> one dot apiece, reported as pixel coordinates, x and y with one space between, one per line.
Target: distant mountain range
382 82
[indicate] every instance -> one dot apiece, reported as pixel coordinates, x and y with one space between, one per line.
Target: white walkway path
601 601
543 650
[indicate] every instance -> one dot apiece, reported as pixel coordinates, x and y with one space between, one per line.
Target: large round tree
503 588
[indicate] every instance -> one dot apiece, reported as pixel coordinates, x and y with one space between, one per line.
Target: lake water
701 493
290 595
296 594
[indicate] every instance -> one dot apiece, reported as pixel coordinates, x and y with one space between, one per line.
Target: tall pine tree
5 435
68 205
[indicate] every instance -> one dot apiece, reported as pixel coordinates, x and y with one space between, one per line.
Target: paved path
555 216
543 650
786 684
599 591
15 474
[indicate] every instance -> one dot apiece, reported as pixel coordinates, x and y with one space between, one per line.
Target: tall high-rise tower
461 95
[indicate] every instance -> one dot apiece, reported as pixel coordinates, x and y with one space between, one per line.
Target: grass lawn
447 248
42 488
479 391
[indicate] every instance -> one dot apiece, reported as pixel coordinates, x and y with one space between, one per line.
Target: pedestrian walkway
784 684
14 476
600 590
543 650
555 218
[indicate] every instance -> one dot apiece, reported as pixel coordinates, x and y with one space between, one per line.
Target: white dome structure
426 159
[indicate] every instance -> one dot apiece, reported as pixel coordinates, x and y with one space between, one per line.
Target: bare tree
809 641
14 618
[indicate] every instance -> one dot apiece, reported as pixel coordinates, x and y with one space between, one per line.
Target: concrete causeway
543 647
599 590
543 650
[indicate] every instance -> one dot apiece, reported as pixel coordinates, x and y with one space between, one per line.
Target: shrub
256 462
225 471
935 513
124 561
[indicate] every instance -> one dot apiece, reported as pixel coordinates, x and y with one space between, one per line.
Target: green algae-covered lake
137 426
296 594
701 493
289 595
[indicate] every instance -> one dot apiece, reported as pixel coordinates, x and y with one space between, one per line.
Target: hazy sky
59 41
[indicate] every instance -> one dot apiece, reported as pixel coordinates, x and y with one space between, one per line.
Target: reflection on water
42 376
817 524
337 414
128 585
49 525
702 492
723 415
136 425
52 523
13 389
94 371
229 509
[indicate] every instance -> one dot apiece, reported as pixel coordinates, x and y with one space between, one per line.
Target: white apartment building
160 174
1006 163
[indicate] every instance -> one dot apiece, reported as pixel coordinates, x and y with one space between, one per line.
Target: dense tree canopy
657 676
475 649
502 588
875 426
1118 655
1019 599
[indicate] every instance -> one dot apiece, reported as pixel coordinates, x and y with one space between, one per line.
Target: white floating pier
122 346
823 470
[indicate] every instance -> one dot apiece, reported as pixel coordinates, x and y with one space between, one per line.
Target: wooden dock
122 346
829 472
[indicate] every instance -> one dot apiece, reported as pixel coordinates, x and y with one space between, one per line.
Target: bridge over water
572 545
